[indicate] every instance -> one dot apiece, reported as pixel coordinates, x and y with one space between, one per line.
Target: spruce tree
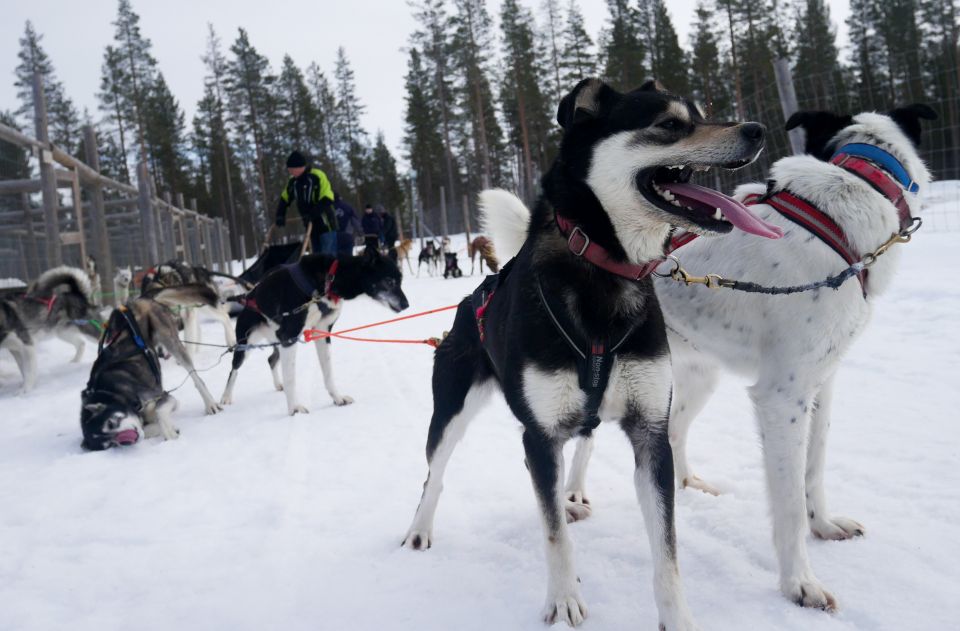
348 112
708 82
577 57
817 50
384 182
868 55
165 135
113 80
139 69
62 118
552 35
668 62
422 137
321 127
296 104
622 48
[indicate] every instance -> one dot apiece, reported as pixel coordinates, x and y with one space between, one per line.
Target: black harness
107 353
594 358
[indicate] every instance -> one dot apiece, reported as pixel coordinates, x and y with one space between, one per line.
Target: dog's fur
122 394
175 274
93 274
15 337
404 248
788 346
451 269
275 318
60 303
609 140
429 254
483 247
121 285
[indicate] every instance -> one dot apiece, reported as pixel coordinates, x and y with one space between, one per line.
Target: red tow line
311 335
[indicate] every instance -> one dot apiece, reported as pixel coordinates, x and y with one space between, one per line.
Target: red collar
880 180
581 245
808 216
328 285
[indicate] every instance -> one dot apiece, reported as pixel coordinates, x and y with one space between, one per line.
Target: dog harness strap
137 337
581 245
300 278
328 284
881 181
809 217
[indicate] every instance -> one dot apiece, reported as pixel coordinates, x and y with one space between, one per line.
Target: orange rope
310 335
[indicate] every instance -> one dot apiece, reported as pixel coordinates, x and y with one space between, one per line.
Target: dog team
584 323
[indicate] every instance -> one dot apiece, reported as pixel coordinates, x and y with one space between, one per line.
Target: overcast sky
373 32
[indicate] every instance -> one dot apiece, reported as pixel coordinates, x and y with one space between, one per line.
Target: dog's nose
753 132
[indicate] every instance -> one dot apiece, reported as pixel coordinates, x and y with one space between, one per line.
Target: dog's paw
417 540
836 528
808 592
298 409
693 482
577 506
213 407
225 400
568 606
342 400
278 387
172 434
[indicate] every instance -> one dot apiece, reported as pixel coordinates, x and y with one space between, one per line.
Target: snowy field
256 520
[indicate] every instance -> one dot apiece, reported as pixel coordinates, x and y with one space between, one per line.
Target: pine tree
139 70
384 183
296 104
112 83
898 28
623 51
62 117
552 35
348 112
668 62
868 58
736 55
523 101
422 137
577 60
321 127
708 82
817 49
164 134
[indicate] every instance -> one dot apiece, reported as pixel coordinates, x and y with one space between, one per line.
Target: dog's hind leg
191 330
25 355
782 404
822 524
577 505
326 367
288 361
459 391
220 314
164 417
71 335
694 382
246 321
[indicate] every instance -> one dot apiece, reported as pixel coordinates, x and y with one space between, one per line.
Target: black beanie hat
296 160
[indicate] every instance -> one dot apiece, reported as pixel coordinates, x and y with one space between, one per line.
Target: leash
716 281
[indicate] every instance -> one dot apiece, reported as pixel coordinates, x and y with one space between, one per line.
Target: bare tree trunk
525 134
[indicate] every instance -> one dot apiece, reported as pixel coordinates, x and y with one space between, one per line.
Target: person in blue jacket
309 187
349 225
372 228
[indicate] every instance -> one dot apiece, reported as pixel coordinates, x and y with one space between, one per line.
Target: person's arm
325 200
282 206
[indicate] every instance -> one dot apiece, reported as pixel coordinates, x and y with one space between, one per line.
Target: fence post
443 212
98 218
208 243
788 101
48 179
466 217
30 245
148 222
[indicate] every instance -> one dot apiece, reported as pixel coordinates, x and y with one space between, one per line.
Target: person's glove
281 221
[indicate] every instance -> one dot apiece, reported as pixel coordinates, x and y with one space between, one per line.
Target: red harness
581 245
328 284
47 302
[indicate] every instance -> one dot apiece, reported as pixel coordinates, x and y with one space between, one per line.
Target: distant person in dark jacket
389 231
309 187
372 228
349 225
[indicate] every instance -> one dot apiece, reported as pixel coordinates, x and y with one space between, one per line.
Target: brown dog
403 253
484 247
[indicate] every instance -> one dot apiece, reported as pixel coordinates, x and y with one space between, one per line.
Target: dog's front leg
326 367
784 421
163 414
653 478
71 335
821 523
171 342
220 313
288 364
545 463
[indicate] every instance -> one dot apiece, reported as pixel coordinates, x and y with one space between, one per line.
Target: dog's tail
506 219
74 278
194 295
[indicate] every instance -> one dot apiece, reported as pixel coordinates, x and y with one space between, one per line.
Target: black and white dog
570 331
15 337
309 294
124 400
60 303
790 346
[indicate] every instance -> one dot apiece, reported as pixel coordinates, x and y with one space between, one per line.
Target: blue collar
882 159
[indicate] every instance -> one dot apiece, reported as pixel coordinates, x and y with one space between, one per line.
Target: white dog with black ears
859 186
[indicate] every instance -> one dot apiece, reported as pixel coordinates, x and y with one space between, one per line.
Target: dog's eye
390 282
672 124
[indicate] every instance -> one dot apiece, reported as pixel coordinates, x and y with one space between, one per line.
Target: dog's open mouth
669 189
126 437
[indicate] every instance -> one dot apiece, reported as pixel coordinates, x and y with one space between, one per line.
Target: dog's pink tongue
735 212
126 437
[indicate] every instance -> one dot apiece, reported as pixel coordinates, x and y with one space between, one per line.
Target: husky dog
451 268
124 400
483 247
430 254
15 337
570 331
90 266
790 346
309 294
172 274
60 303
121 285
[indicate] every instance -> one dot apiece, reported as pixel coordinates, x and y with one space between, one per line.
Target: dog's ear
584 103
820 127
908 118
652 85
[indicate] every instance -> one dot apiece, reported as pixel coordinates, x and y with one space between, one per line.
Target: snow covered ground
256 520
